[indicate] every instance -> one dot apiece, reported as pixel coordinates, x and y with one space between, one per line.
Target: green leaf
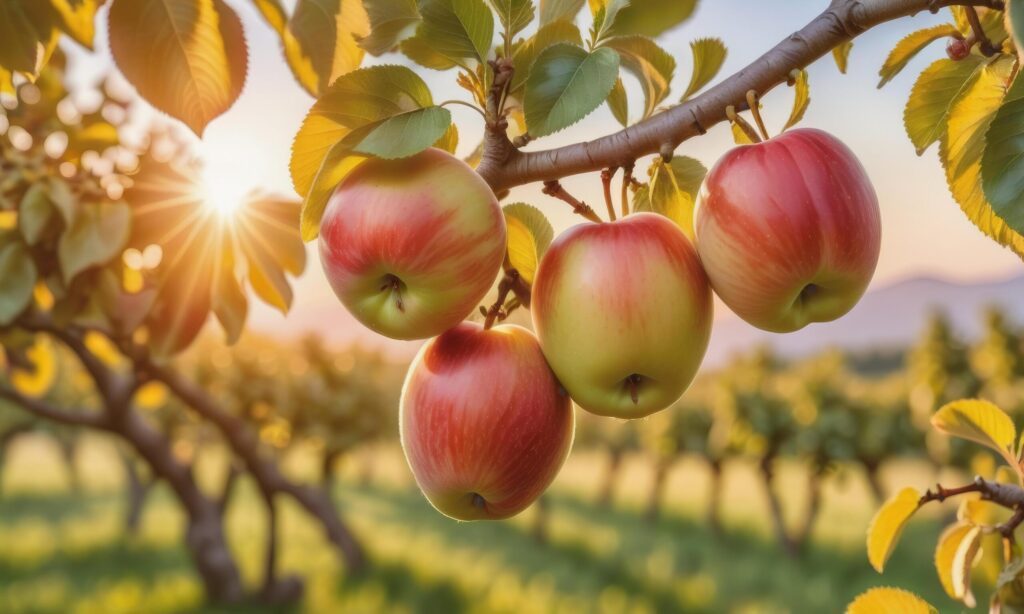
841 54
407 134
457 29
669 199
708 57
652 17
619 103
514 15
391 21
320 41
962 145
61 196
1002 165
34 212
933 95
605 13
77 18
420 50
19 39
198 45
549 34
801 98
336 165
651 65
529 235
566 84
559 10
910 46
689 174
1015 21
17 279
96 237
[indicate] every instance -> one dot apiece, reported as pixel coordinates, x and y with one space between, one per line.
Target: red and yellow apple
623 312
789 230
411 246
485 425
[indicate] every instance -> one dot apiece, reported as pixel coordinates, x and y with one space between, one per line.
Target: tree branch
44 410
505 167
1006 495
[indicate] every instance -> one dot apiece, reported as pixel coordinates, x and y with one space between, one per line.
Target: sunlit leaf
558 10
936 89
320 41
619 103
962 146
979 421
273 13
841 55
529 235
514 15
649 63
801 98
555 32
407 134
739 135
338 163
38 378
981 511
887 525
991 22
78 18
652 17
198 45
151 395
889 601
391 21
457 29
100 346
566 84
97 236
17 278
910 46
954 557
1002 165
708 57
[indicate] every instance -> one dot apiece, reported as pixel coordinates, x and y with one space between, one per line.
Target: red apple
485 425
623 313
789 230
412 246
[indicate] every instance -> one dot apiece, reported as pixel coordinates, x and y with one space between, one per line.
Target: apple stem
734 117
627 180
554 188
606 182
394 285
632 382
495 313
755 109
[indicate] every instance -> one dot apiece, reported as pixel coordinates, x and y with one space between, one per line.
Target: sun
224 189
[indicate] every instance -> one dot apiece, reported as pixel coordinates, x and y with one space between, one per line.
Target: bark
767 467
812 510
504 166
714 519
657 493
607 491
138 490
227 490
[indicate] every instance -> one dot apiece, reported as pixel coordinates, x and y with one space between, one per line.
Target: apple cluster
788 232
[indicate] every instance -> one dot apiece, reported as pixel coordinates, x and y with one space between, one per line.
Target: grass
61 552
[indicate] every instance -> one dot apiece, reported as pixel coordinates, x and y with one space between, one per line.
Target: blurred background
751 494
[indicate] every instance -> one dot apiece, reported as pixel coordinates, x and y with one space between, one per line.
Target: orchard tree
411 237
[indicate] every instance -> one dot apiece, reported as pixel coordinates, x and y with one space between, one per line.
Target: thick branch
505 167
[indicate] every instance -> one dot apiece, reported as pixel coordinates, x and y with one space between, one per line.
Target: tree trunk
714 519
767 467
661 469
813 507
6 439
67 447
540 520
607 490
871 474
327 475
138 489
204 536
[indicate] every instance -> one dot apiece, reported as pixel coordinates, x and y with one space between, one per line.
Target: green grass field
61 552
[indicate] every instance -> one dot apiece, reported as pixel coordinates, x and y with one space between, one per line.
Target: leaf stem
627 180
465 104
755 110
984 44
606 183
734 117
554 188
495 313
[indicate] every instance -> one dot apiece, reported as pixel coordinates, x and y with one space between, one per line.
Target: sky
924 231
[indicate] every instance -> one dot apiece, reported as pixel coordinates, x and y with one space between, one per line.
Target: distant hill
890 317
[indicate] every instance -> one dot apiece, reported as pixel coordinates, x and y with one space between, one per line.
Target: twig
984 44
1009 496
627 180
755 109
554 188
606 183
504 287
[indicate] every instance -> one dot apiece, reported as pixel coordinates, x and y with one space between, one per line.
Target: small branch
1006 495
627 180
504 287
44 410
984 44
606 183
1007 528
555 189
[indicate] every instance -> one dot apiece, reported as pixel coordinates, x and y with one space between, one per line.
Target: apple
789 230
411 246
485 425
623 313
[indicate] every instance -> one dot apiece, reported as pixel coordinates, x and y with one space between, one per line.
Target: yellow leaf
801 98
198 45
668 199
981 512
77 18
43 297
887 600
320 50
963 143
955 555
887 525
151 395
103 348
38 380
841 54
978 421
739 136
529 235
8 220
708 57
910 46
